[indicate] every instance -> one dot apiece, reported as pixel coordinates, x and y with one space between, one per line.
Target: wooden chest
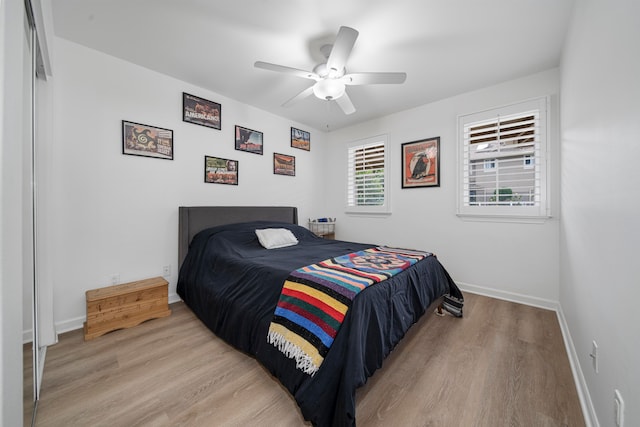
124 306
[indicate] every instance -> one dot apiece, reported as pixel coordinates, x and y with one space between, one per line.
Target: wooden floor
503 364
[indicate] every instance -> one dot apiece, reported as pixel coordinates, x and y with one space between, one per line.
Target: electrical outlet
166 271
618 408
594 356
115 279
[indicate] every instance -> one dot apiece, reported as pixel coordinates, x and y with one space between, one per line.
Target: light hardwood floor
503 364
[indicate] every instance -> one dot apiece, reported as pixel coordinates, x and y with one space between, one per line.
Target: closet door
29 295
38 326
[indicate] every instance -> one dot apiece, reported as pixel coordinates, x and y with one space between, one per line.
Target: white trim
509 296
504 218
541 104
70 325
27 336
384 209
174 298
588 410
366 214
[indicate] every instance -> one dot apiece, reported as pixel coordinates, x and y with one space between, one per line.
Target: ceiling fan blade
288 70
373 78
302 95
342 49
345 103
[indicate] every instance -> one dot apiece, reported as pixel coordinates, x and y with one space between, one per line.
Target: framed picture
201 112
248 140
300 139
284 164
421 163
220 171
147 141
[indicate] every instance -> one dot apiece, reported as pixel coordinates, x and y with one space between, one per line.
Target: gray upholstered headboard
192 219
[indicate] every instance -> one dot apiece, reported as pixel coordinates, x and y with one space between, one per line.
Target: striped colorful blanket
315 300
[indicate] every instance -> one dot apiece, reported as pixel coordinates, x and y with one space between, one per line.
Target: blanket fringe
292 351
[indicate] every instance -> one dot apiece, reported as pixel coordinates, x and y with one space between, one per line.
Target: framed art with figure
421 163
220 171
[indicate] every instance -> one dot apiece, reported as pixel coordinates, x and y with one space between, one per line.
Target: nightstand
323 227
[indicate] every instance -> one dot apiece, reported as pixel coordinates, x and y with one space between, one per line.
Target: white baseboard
27 336
509 296
174 298
78 322
70 325
588 411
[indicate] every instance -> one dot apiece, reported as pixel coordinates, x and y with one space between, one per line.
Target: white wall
510 260
118 214
600 232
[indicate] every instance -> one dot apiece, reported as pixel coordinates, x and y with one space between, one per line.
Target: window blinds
366 175
500 158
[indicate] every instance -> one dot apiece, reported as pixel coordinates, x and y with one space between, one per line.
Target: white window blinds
366 176
503 154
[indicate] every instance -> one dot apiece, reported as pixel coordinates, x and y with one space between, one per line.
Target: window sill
504 218
367 214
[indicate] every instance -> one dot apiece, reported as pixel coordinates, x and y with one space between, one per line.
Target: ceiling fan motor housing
325 72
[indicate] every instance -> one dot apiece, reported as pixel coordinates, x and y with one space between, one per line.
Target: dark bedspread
233 284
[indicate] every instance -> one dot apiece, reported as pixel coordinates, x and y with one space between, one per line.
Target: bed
235 287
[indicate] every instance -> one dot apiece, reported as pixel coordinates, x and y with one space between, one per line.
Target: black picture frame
249 140
300 139
421 163
146 141
220 171
200 111
284 164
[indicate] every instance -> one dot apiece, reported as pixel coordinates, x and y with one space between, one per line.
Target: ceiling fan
331 77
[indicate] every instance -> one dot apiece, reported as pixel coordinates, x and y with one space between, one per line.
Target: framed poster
284 164
421 163
147 141
201 112
300 139
248 140
220 171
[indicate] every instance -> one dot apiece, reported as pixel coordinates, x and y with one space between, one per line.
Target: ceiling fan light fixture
328 89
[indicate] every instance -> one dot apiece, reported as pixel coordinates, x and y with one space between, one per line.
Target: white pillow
272 238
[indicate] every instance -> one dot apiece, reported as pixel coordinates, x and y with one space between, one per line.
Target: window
503 161
367 176
489 164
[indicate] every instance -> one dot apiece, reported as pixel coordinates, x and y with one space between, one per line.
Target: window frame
540 162
385 208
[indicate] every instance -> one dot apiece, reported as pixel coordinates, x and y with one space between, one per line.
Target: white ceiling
446 47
